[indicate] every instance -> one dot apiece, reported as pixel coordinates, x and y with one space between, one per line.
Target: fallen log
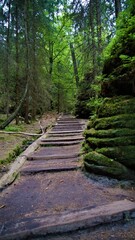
22 133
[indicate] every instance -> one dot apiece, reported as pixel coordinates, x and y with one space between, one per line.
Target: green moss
100 164
124 155
17 151
117 105
86 148
119 121
109 132
98 159
11 157
89 125
110 142
14 128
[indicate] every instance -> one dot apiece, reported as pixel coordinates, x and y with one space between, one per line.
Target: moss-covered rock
122 154
117 105
110 141
118 121
111 135
100 164
120 132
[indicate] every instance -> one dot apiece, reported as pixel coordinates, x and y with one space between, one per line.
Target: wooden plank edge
83 219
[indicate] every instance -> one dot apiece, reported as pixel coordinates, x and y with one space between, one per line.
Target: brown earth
9 142
40 195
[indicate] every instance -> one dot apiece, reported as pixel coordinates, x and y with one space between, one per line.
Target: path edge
11 175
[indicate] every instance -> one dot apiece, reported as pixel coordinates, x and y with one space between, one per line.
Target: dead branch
22 133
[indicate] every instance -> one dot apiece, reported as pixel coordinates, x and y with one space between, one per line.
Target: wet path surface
51 183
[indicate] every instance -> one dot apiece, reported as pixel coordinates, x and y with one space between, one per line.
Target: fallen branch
22 133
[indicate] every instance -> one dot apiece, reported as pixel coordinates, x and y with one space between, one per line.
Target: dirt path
54 195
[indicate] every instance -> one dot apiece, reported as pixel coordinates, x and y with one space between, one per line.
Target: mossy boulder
114 122
110 140
100 164
122 154
120 132
116 105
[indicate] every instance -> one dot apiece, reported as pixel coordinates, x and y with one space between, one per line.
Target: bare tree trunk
117 7
74 64
98 20
26 7
13 116
7 59
34 64
50 59
92 13
17 62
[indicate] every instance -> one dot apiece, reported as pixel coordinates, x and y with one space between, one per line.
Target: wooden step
62 143
50 157
55 131
56 165
62 139
76 220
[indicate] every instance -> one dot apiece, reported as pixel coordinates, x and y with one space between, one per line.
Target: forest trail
54 195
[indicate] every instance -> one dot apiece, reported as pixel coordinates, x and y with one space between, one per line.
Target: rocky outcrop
110 139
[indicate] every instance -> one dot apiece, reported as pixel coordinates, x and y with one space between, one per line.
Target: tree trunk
50 59
17 62
7 59
92 30
74 64
13 116
117 7
99 47
26 8
34 64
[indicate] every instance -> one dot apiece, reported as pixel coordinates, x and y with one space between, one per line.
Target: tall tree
74 63
17 56
118 7
7 74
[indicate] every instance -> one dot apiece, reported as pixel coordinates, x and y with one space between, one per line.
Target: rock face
110 136
110 139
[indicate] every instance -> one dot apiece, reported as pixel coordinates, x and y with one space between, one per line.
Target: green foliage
111 133
14 128
119 57
94 104
17 151
12 156
84 95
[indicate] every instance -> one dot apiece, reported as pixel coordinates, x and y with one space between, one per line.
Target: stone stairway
52 194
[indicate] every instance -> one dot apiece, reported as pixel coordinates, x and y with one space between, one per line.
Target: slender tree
74 63
118 7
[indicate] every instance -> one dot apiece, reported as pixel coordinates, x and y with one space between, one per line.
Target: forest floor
9 143
40 195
